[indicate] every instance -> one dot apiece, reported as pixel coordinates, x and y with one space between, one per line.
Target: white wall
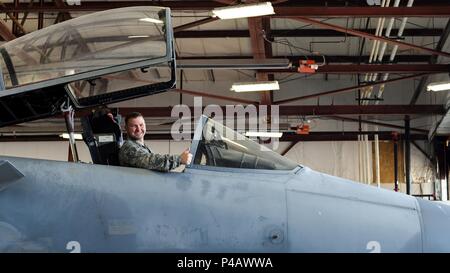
341 158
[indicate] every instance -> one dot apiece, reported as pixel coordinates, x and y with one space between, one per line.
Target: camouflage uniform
134 154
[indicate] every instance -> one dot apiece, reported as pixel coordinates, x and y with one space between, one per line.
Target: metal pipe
363 160
388 31
380 31
379 53
361 157
395 165
365 91
401 29
407 155
361 174
373 76
68 116
364 155
194 24
377 158
394 50
368 165
446 169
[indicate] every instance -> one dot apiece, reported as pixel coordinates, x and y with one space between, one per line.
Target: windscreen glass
88 43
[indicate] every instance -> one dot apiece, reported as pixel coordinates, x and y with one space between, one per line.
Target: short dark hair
132 115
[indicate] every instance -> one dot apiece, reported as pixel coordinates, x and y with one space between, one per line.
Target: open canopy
94 59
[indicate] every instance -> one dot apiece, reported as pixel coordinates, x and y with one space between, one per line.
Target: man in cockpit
134 152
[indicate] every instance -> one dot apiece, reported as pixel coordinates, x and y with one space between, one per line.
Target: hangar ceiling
374 61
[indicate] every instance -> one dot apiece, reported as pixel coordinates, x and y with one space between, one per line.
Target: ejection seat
102 135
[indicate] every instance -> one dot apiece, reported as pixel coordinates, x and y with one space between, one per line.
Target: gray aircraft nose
436 224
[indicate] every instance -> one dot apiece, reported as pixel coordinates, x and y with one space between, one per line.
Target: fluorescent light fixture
70 71
137 36
438 86
66 136
264 134
151 20
255 86
244 11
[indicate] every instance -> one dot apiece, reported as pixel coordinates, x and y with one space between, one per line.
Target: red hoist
307 66
302 129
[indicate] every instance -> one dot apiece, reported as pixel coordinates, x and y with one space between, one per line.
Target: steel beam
354 3
380 109
346 89
423 11
375 68
258 27
104 5
319 59
201 94
232 33
226 2
344 136
194 24
383 68
371 36
291 145
312 110
430 158
282 10
382 124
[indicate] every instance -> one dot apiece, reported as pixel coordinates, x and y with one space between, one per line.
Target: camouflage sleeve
131 156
